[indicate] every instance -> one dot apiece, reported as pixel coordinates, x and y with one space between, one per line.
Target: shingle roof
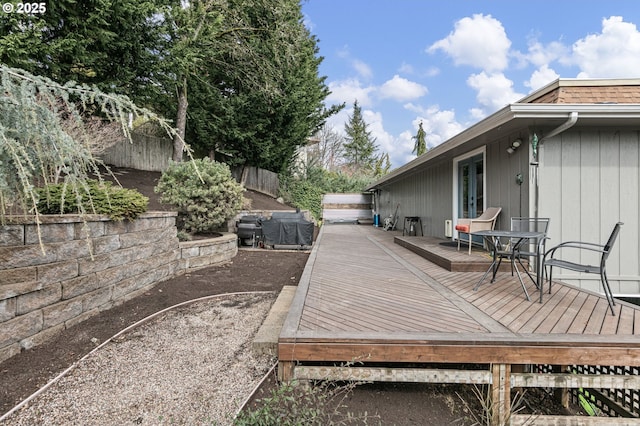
590 94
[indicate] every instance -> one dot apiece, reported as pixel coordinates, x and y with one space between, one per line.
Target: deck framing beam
389 374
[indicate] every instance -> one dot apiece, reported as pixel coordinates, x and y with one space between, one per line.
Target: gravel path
190 365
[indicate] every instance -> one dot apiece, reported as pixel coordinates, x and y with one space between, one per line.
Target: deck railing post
285 371
500 394
561 394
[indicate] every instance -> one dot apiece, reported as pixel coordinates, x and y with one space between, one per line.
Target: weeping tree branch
44 137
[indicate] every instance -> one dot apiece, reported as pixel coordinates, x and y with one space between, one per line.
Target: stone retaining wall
87 267
202 253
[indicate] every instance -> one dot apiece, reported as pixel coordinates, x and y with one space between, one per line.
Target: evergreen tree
239 77
360 149
383 164
260 112
421 144
112 45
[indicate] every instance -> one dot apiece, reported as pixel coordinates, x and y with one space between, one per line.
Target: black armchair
552 261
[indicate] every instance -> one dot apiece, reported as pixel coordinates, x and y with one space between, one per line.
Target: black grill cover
287 228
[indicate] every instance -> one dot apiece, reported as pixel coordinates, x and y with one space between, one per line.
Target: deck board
365 295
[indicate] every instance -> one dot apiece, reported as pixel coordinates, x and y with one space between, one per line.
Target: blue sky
451 63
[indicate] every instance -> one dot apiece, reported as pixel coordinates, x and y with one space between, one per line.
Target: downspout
573 119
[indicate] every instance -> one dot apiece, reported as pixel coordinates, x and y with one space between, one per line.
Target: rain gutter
573 119
517 111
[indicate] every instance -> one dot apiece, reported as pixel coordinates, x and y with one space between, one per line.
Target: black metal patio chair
551 261
515 250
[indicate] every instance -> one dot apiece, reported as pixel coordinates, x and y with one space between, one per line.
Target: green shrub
102 197
203 191
306 193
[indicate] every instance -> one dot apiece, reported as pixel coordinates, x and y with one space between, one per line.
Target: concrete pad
266 339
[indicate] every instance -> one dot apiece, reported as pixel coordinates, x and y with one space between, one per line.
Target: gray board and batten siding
429 191
589 180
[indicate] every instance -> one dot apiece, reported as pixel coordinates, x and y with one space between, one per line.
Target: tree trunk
181 122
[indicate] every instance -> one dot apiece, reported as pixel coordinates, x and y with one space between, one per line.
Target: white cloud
541 77
383 139
403 152
432 72
477 114
494 91
307 22
479 41
349 91
362 68
406 68
613 53
401 89
543 54
439 125
337 121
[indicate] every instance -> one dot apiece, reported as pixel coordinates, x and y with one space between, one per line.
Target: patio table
492 238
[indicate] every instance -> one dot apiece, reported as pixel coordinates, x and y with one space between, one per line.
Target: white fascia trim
512 112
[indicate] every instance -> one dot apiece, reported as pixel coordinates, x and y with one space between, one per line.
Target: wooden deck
445 254
366 299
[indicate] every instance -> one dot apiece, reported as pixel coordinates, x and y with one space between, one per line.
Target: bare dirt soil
250 270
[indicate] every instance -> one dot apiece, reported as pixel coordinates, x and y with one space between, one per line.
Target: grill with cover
287 228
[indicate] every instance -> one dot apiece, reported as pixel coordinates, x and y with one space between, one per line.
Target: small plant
101 197
184 236
302 404
204 192
486 414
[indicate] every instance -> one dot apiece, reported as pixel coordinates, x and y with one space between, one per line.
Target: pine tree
360 149
383 164
421 144
269 98
112 45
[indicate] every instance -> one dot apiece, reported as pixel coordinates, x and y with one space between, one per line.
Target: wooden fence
143 152
257 179
152 153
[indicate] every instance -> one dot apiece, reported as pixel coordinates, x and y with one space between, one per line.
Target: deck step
266 340
444 253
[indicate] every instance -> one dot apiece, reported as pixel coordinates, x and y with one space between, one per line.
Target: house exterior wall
589 180
426 193
429 192
502 187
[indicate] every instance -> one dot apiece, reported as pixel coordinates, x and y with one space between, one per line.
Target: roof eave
516 111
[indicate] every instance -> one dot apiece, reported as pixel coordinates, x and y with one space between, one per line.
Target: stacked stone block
67 270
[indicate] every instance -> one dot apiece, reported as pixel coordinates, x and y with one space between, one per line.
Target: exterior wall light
514 145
